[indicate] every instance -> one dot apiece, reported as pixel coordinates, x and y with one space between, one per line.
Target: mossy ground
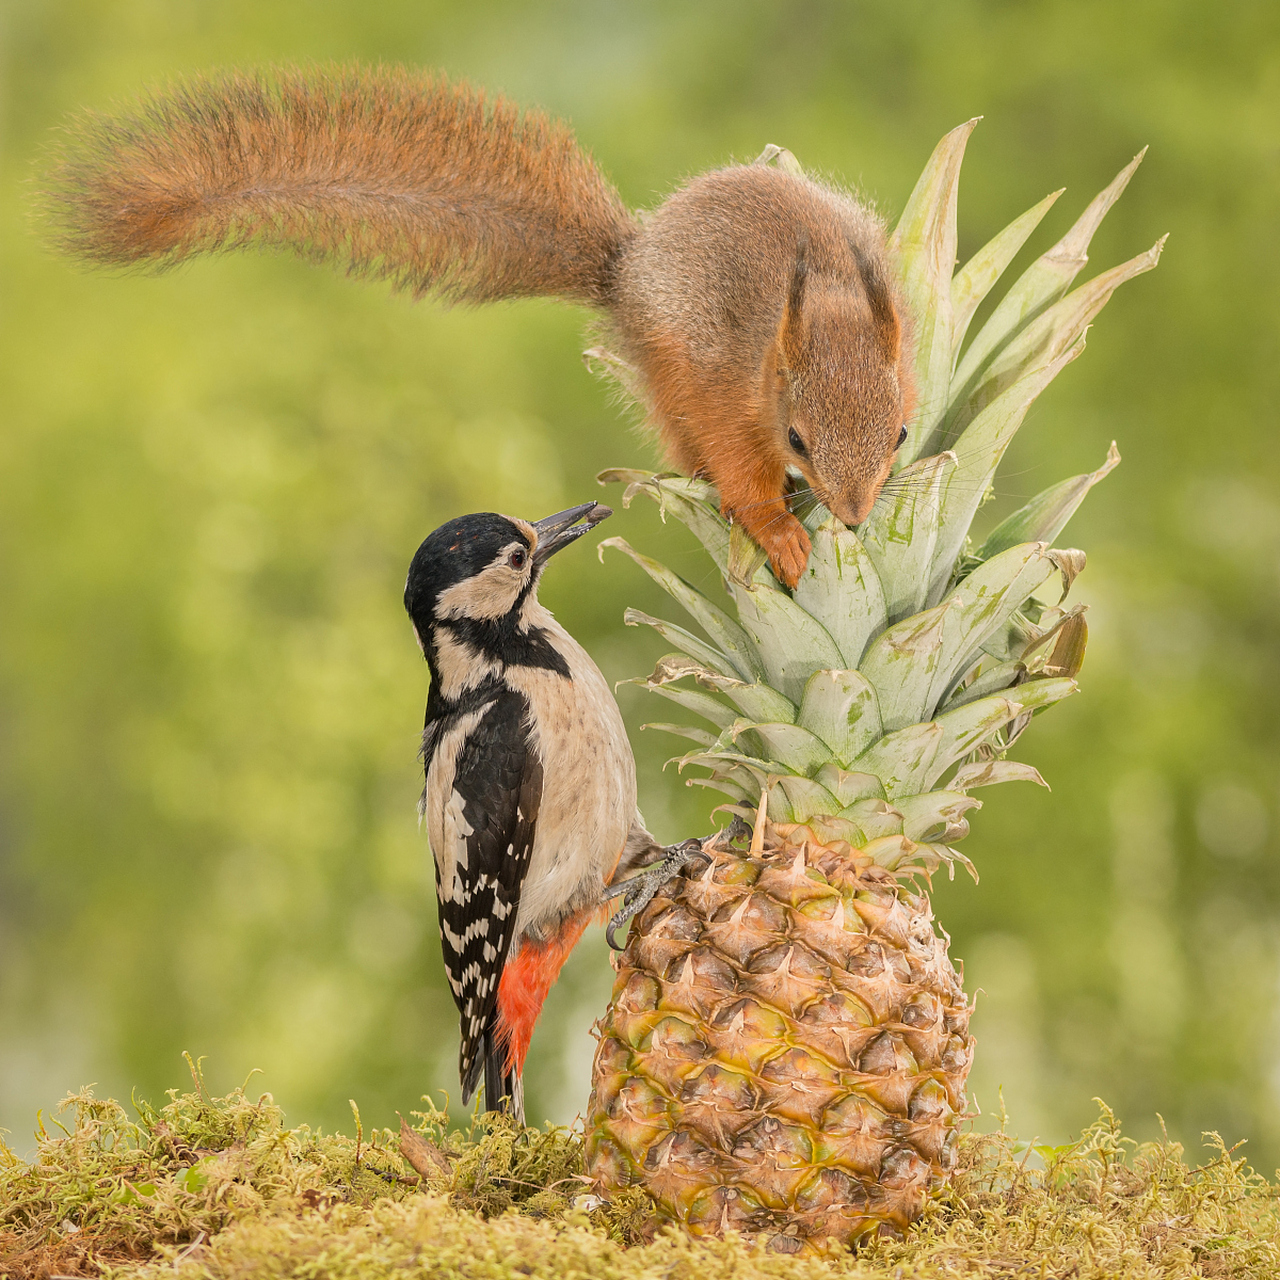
219 1188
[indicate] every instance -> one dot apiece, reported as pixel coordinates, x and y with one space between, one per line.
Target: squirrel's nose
853 509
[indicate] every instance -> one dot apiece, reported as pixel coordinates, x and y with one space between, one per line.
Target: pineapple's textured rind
786 1050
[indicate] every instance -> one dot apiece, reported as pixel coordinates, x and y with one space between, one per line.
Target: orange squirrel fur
756 305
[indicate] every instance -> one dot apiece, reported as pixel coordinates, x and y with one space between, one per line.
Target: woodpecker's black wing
491 815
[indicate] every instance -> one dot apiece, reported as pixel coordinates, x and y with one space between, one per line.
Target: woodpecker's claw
640 890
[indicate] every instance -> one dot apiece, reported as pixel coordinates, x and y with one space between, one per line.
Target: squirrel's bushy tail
394 175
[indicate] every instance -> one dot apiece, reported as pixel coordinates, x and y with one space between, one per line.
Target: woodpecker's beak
558 531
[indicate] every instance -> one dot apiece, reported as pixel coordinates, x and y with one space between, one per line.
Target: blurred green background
211 485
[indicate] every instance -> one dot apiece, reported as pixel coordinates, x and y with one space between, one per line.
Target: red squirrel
756 305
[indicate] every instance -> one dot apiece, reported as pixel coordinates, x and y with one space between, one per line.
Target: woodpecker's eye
902 438
517 558
796 443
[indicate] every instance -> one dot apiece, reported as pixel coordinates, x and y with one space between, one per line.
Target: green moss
218 1188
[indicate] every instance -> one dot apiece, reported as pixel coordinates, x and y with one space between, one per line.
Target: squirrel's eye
516 559
796 443
902 438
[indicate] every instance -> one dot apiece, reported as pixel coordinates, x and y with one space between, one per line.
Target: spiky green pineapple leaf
763 772
704 654
988 773
781 158
992 679
748 560
980 604
901 534
841 707
848 786
1041 285
902 760
978 276
701 704
902 665
791 643
875 817
700 736
760 702
801 750
924 243
726 788
978 453
969 726
915 664
891 852
841 588
933 812
1046 515
966 727
1046 337
829 830
724 632
798 799
911 759
754 701
730 774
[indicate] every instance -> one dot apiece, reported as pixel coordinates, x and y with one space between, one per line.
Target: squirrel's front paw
788 546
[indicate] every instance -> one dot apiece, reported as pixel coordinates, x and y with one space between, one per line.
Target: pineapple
787 1045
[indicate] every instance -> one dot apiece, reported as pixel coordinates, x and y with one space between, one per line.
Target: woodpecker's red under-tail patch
526 979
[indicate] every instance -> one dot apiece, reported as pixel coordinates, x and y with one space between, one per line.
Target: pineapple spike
757 832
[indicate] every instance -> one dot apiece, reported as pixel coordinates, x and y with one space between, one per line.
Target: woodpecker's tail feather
503 1088
498 1052
396 175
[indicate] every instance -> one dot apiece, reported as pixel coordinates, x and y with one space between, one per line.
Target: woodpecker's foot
640 890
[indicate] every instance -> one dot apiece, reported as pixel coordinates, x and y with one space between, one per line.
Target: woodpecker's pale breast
588 782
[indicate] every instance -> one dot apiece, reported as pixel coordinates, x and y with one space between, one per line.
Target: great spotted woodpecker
530 796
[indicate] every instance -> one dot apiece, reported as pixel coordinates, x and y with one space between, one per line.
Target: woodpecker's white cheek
491 593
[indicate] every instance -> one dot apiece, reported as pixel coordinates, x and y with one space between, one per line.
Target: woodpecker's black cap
485 544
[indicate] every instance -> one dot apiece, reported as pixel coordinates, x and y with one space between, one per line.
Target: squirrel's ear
792 333
884 315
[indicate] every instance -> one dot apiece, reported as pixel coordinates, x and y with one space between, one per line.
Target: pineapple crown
903 655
